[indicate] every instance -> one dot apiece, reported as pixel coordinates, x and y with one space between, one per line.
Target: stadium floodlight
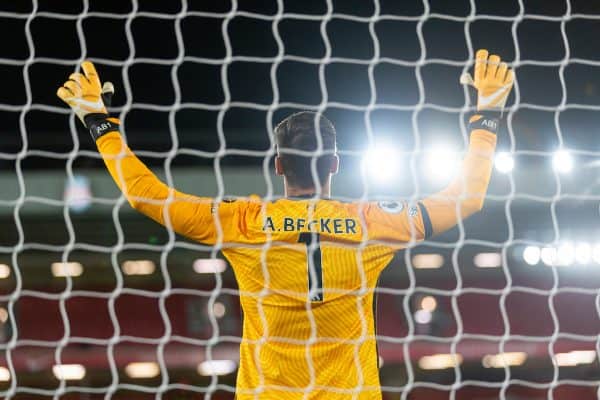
423 316
209 265
531 255
216 367
442 165
502 360
440 361
140 370
574 358
562 161
4 374
596 253
61 269
504 162
565 255
382 163
583 253
488 260
427 261
4 271
138 267
429 303
69 372
548 256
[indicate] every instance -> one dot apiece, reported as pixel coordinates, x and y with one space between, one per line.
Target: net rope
373 104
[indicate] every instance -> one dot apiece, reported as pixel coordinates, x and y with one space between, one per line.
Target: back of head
300 132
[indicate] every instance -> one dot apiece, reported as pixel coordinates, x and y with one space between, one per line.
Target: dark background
174 68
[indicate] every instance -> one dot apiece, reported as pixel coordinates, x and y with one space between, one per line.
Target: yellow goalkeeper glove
84 94
493 81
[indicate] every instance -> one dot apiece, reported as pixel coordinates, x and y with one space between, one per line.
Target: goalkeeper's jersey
306 269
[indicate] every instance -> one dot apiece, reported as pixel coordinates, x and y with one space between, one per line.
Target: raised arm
191 216
466 193
148 195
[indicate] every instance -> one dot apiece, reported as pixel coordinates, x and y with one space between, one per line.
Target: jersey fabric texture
306 268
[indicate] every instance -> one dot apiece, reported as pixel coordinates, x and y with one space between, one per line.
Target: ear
335 164
278 166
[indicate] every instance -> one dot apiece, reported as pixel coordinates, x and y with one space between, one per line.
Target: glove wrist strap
486 120
100 124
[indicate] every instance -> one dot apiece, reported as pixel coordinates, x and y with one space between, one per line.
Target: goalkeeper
306 265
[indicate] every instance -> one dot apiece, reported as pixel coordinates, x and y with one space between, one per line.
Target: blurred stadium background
137 315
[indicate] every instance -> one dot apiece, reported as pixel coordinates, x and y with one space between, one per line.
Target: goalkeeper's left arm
493 81
465 195
188 215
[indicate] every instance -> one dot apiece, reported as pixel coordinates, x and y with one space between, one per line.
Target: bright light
423 316
565 255
219 310
442 165
78 193
440 361
596 254
531 255
3 315
488 260
504 162
548 255
427 261
562 162
583 253
142 370
504 359
209 265
574 358
4 271
4 374
382 163
67 269
216 367
380 361
138 267
429 303
69 372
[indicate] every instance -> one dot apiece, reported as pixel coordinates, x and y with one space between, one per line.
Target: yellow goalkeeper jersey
306 269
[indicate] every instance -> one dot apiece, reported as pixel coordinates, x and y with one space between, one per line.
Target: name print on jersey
320 225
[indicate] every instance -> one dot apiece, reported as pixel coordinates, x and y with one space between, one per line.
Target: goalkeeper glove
493 81
84 94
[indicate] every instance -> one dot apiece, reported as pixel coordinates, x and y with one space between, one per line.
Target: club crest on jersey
391 207
413 211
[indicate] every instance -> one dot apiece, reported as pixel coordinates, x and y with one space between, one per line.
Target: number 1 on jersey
315 269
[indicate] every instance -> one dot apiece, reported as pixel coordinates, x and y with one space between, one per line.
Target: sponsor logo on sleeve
391 207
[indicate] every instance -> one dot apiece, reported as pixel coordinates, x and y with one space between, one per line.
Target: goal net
97 301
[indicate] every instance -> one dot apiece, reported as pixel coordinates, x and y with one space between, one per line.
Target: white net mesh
100 303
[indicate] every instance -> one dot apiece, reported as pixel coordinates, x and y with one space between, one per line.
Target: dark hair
299 132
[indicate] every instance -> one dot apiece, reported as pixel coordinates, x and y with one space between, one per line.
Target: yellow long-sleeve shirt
306 269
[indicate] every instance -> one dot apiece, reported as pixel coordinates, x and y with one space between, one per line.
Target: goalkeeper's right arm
188 215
